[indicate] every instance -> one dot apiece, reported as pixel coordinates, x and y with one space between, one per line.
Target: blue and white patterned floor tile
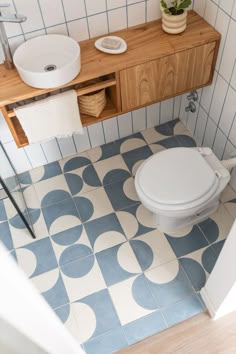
52 191
103 152
93 205
66 315
31 198
122 194
183 310
112 170
45 172
228 198
132 299
82 277
105 232
144 327
25 178
58 216
82 180
217 227
134 158
118 263
168 283
131 142
20 234
6 236
37 257
198 265
71 244
186 241
51 287
74 162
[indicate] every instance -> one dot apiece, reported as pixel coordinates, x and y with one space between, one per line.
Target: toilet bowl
181 186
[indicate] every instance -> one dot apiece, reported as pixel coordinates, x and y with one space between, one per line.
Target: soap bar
110 43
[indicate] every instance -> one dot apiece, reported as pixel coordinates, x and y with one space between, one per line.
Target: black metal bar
17 208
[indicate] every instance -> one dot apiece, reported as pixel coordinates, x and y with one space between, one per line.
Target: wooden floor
199 335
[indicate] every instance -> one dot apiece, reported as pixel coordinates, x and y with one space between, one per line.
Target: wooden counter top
145 42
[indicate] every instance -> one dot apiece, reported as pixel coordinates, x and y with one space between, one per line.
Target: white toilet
181 186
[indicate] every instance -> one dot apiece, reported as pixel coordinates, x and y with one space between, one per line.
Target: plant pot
174 24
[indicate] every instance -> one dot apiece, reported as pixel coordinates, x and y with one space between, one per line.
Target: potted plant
174 15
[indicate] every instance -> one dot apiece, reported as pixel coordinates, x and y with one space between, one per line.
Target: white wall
214 123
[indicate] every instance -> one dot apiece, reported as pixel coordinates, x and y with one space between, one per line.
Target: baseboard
208 303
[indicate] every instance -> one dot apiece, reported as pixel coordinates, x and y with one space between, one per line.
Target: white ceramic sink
48 61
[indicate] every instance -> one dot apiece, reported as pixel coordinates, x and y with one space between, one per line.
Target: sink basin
48 61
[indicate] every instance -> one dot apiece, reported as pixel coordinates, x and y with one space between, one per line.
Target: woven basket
93 104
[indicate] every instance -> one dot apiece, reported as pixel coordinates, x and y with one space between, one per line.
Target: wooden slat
145 43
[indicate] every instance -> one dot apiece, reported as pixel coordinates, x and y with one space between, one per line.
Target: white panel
183 115
153 115
117 19
218 98
82 142
232 135
52 12
18 157
219 144
60 29
125 125
209 133
207 93
229 54
210 12
51 150
136 14
113 4
67 146
110 129
35 155
167 108
139 120
74 9
200 126
78 29
153 10
199 6
96 134
98 25
34 19
228 112
5 134
227 5
177 103
94 7
222 24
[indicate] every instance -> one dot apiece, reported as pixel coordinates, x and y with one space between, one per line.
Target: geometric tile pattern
112 277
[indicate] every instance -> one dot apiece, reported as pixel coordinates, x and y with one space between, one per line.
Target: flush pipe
229 164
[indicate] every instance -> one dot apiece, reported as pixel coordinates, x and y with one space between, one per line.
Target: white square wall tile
219 144
51 150
207 93
96 134
229 54
139 120
110 129
59 29
74 9
136 14
228 112
113 4
232 135
125 125
18 157
233 78
35 154
153 10
78 29
52 12
82 141
227 5
67 146
210 133
210 12
117 19
218 98
153 115
222 24
200 126
98 25
34 19
234 11
94 7
199 6
167 109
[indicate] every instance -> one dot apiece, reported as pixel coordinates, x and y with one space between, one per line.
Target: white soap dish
121 49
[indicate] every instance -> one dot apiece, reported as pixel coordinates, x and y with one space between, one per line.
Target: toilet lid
177 176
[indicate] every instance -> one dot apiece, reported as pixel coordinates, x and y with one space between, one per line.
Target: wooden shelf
108 112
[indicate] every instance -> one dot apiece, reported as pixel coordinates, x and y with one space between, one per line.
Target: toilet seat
166 179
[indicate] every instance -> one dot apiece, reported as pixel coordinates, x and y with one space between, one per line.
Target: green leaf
164 7
184 4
